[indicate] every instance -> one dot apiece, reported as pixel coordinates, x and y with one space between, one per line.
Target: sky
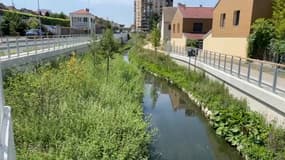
120 11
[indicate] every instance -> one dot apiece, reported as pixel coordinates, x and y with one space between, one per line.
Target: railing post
219 63
54 42
275 79
239 67
260 74
215 59
248 71
225 62
232 61
17 45
210 58
196 61
8 46
36 46
27 46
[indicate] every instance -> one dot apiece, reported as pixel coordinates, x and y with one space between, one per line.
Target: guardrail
266 75
35 45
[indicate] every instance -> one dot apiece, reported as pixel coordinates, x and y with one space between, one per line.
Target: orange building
232 22
190 23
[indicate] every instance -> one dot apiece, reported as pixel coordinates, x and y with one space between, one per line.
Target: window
85 19
169 27
222 20
236 17
173 28
198 27
178 28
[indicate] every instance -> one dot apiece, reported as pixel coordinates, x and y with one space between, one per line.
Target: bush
67 111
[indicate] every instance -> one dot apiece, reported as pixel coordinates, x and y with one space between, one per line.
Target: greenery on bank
67 110
230 117
16 23
267 40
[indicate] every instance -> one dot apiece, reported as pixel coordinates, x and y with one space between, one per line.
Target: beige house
232 22
190 23
167 16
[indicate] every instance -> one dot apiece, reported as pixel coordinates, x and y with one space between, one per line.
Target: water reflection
183 133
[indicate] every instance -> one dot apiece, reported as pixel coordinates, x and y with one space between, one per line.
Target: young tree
105 48
33 23
155 37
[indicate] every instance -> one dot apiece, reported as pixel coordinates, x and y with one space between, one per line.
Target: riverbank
68 110
230 117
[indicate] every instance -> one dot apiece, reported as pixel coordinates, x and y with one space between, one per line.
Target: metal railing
25 46
266 75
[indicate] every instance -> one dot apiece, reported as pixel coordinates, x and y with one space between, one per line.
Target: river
182 131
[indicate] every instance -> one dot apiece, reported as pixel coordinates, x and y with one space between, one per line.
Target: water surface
183 133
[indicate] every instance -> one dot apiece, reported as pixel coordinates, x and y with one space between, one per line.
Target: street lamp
40 25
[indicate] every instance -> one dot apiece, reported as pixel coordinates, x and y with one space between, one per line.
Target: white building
83 20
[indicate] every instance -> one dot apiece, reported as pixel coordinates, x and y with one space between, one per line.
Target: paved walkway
267 75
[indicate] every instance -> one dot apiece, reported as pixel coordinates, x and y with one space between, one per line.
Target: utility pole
40 25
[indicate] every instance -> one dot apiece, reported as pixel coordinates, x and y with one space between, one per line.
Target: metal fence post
215 59
248 71
8 46
17 45
27 46
225 62
275 79
36 45
232 61
260 74
239 67
219 63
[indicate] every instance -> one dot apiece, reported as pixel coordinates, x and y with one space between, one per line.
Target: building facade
167 16
144 11
232 22
190 23
83 20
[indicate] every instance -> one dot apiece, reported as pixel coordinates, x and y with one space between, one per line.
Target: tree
155 37
105 48
13 24
259 40
33 23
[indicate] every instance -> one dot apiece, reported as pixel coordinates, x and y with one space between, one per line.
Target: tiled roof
82 12
197 12
194 36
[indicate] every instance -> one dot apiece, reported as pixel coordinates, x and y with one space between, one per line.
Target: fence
267 75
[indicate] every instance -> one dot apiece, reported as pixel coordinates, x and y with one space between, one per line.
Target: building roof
197 12
194 36
82 12
168 13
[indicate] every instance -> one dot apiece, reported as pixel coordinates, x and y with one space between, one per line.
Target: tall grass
69 112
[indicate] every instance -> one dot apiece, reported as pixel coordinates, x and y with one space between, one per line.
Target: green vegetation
230 117
106 48
155 37
33 23
267 39
14 22
66 110
192 43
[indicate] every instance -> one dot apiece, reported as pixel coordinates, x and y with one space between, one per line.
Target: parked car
34 33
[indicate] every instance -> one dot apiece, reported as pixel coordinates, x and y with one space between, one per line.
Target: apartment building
83 20
145 9
232 22
190 23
